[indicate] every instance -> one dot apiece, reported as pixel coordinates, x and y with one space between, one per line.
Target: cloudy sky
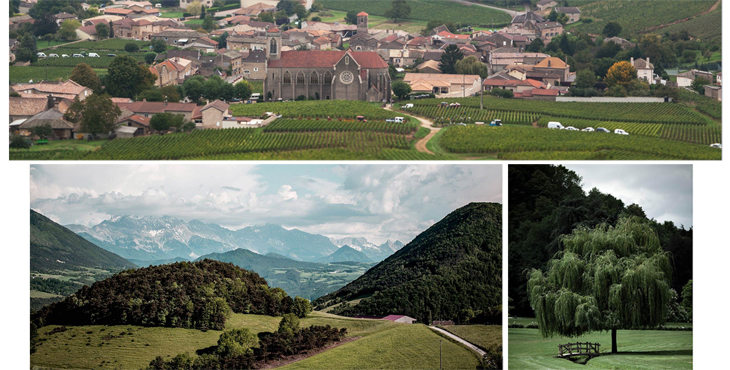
378 202
663 191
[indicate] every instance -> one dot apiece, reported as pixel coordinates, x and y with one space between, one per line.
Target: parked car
53 55
619 131
409 105
41 55
716 145
444 104
390 120
399 119
555 125
571 128
78 56
479 123
64 55
93 55
454 105
496 122
111 55
588 129
601 129
461 124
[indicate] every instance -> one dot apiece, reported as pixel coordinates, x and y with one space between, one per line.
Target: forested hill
256 262
186 294
453 270
53 246
546 202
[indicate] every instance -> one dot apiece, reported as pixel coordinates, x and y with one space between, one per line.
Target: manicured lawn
194 21
531 320
638 349
172 15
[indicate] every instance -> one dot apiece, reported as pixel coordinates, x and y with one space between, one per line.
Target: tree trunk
614 347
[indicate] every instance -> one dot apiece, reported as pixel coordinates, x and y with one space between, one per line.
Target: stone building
324 75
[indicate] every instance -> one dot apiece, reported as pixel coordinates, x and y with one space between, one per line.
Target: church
324 75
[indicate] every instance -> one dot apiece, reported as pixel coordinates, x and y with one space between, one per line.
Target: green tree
194 8
202 12
612 29
211 88
472 66
19 142
188 126
401 89
351 17
102 31
585 79
84 75
14 7
111 29
223 40
242 90
226 91
266 17
301 307
96 114
44 26
131 47
171 93
536 46
563 18
149 57
27 49
193 88
158 46
68 29
236 342
687 298
125 78
289 324
450 56
43 131
604 279
161 121
209 23
699 85
399 10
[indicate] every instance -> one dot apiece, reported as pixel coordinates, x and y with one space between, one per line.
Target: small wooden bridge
578 349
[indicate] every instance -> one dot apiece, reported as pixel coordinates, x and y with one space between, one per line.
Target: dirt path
421 144
458 339
510 12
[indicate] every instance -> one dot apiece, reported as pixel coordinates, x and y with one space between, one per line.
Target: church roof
326 59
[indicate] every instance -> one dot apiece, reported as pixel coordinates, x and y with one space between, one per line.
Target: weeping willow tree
604 279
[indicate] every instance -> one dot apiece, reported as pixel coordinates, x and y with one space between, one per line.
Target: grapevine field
102 61
316 125
513 141
314 109
426 10
24 74
446 115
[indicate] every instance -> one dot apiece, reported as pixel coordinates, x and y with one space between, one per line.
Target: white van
555 125
78 56
93 55
399 119
408 106
619 131
41 55
53 55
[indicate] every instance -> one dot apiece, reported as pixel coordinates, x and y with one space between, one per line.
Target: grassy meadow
383 344
638 350
483 336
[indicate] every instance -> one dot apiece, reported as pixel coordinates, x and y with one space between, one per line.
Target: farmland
133 347
635 16
426 10
483 336
102 61
25 74
512 142
705 27
638 350
315 125
314 109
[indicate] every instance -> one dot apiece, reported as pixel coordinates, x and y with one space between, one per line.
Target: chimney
632 61
50 104
647 61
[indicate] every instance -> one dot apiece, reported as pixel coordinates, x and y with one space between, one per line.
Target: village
185 72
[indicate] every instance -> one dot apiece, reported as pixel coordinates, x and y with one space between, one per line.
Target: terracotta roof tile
326 59
27 106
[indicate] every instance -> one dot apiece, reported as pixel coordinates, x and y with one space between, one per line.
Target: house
498 59
62 129
442 83
400 318
572 12
550 70
521 20
183 54
26 107
644 69
18 21
547 30
87 32
141 126
685 79
539 94
714 92
65 89
429 66
171 71
625 44
61 17
213 114
254 10
403 57
719 79
546 4
448 37
184 3
246 42
133 12
149 109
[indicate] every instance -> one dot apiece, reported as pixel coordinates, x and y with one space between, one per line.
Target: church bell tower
362 23
273 43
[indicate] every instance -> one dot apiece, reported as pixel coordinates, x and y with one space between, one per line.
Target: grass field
638 350
483 336
531 320
25 74
171 15
383 345
705 27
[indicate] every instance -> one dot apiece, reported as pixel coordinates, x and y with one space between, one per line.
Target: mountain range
346 253
168 238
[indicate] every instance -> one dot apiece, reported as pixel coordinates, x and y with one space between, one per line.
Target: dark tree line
453 267
547 202
197 295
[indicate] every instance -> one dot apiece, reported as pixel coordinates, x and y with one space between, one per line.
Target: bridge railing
575 349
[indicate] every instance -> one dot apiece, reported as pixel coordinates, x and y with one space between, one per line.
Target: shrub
131 47
19 142
301 97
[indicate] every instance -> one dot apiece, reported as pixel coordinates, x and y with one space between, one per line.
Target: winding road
421 144
462 341
510 12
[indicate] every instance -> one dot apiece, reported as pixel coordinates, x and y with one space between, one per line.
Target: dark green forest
452 271
547 202
197 295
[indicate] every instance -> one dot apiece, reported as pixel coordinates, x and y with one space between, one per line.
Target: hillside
346 253
53 247
197 295
454 265
256 262
371 250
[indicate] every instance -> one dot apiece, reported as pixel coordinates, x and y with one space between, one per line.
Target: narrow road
421 144
510 12
462 341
